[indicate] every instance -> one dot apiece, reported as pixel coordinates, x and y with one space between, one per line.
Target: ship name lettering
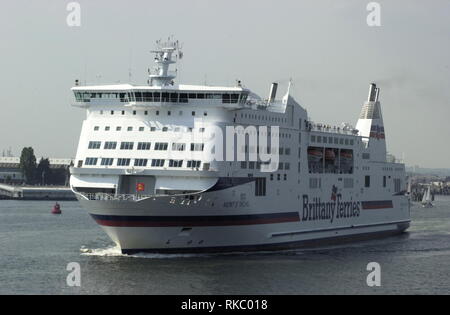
317 210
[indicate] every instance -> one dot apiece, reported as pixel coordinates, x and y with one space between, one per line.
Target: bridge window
183 98
138 96
234 98
147 97
226 99
244 97
214 96
165 97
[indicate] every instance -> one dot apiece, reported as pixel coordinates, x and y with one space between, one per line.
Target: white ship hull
163 227
159 169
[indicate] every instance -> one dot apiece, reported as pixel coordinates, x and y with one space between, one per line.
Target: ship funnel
372 92
273 92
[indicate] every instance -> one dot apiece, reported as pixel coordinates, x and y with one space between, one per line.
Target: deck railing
331 129
116 197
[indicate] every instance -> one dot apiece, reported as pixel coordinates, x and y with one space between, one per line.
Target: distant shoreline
48 193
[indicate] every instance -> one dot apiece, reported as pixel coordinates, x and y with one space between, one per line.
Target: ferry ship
148 168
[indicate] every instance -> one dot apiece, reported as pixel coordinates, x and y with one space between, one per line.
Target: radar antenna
166 53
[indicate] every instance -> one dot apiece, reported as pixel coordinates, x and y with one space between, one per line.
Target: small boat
56 209
426 200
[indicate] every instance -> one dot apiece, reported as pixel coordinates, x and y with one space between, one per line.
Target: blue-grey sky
326 46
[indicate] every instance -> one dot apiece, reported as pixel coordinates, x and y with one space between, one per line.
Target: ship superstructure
147 168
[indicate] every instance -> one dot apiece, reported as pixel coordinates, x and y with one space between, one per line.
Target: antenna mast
160 74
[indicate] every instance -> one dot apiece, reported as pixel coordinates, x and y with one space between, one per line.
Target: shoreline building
10 172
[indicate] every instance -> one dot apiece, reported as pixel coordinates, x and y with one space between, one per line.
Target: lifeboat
346 155
315 154
330 155
56 209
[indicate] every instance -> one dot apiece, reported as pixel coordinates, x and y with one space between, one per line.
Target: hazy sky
326 46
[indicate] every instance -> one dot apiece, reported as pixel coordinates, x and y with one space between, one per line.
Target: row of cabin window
251 149
331 140
278 176
90 161
164 97
158 146
142 129
264 133
257 165
157 113
264 118
397 183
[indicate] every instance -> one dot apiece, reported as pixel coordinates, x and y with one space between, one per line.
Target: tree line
40 173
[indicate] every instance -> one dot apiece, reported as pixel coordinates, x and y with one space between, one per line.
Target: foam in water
114 251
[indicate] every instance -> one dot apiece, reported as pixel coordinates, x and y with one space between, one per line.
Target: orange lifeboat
330 155
315 154
346 155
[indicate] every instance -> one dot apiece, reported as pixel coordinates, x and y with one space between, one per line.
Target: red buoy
56 209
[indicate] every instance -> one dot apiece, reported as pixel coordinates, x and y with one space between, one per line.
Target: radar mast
166 53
